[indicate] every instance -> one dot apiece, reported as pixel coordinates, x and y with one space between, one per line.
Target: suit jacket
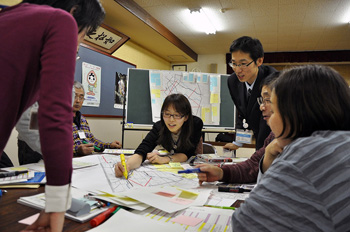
250 111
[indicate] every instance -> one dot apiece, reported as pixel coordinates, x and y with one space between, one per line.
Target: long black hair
181 104
312 98
88 14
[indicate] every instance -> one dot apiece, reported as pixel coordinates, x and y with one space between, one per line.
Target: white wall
204 62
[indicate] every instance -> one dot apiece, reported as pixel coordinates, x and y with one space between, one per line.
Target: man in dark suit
244 86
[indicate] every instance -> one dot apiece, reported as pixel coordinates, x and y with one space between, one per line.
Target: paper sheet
183 199
215 220
142 177
29 220
126 221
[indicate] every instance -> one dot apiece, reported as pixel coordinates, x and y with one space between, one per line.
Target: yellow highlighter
125 173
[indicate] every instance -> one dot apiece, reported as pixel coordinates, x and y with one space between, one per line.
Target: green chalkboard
139 110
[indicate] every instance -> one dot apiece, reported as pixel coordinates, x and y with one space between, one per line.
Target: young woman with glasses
178 132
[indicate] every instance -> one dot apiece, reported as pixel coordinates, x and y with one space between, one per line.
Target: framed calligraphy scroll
106 39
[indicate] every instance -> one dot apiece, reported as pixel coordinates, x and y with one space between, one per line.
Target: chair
208 149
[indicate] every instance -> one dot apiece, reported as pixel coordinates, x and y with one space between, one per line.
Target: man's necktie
249 92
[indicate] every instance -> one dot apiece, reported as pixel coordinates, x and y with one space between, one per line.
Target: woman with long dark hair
307 185
178 132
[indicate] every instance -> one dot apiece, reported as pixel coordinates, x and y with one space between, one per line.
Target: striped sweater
307 188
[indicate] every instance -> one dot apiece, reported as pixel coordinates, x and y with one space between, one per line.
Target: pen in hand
95 147
125 173
193 170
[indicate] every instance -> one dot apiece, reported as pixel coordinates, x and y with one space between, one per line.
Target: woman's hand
210 173
272 151
119 169
133 162
154 158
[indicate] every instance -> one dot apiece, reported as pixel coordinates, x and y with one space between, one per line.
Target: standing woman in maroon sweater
37 59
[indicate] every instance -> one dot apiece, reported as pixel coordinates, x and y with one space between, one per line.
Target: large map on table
145 176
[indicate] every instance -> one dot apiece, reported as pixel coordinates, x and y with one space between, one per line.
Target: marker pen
220 207
194 170
14 173
102 217
97 148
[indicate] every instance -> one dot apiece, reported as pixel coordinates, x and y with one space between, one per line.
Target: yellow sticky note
214 98
214 110
175 165
156 93
18 168
160 166
205 110
203 115
188 195
190 175
168 170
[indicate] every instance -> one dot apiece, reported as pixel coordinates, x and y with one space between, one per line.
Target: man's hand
210 173
116 144
231 146
86 149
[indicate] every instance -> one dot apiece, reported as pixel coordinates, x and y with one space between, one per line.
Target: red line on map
173 86
148 181
191 93
136 182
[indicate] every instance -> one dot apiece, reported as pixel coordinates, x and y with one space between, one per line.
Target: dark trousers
5 161
26 155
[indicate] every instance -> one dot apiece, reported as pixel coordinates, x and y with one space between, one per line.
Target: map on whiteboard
142 177
201 89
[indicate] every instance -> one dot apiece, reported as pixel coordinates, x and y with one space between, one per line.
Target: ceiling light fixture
202 21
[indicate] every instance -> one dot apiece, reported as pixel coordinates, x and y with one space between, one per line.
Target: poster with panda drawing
91 80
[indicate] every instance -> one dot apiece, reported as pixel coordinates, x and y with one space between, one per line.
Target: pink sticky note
186 220
181 201
166 194
29 220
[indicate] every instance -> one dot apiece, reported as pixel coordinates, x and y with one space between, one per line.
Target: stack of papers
191 219
213 158
28 180
119 151
38 202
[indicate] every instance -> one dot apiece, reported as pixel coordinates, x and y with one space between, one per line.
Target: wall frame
180 67
106 39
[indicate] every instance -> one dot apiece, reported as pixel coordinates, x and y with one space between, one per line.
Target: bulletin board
139 110
110 66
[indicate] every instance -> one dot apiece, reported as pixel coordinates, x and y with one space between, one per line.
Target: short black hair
249 45
312 98
268 81
89 14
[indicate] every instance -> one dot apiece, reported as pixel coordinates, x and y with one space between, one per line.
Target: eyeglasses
80 98
262 101
175 116
241 66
